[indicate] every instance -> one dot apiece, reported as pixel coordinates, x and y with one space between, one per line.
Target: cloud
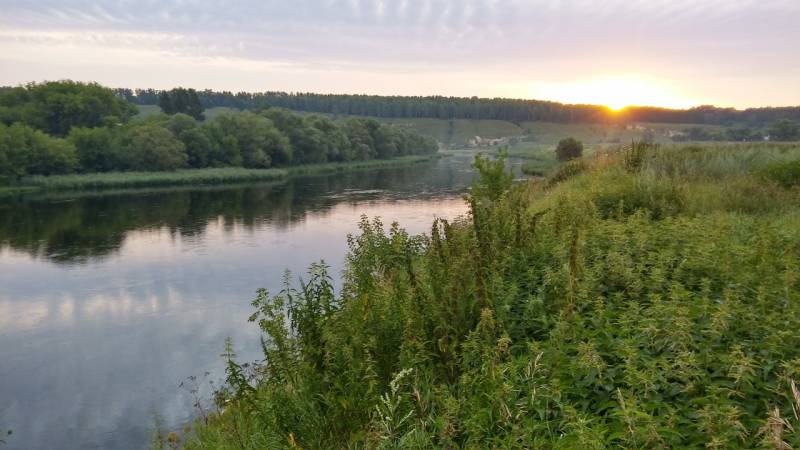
550 39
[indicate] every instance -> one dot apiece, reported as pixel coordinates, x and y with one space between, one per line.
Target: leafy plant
614 308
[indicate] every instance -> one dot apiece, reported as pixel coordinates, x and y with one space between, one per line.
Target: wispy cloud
548 39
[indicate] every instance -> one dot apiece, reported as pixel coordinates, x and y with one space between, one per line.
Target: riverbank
211 176
629 295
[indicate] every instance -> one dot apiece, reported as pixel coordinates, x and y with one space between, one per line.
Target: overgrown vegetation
649 300
569 148
67 127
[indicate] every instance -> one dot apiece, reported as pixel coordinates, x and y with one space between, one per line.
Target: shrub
26 151
568 149
596 314
97 149
151 147
567 171
786 174
633 156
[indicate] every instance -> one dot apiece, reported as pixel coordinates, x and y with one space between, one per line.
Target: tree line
781 130
70 127
439 107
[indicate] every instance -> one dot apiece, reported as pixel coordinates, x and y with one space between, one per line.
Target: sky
672 53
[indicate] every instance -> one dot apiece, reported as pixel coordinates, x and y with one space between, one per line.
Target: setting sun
616 92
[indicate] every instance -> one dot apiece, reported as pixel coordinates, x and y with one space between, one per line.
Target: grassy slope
634 300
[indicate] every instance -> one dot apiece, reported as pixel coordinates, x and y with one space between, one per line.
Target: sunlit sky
674 53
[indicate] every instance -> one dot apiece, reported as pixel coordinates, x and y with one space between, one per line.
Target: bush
567 171
97 149
633 156
25 151
786 174
568 149
57 106
256 138
151 147
597 314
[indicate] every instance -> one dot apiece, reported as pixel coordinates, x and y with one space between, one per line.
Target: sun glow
615 92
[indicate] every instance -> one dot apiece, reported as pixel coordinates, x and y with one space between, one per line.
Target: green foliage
97 149
153 148
492 180
24 151
94 121
56 106
255 139
600 312
567 170
634 156
568 149
181 101
786 173
507 110
784 130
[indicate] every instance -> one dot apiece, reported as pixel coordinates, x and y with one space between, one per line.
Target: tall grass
652 305
211 176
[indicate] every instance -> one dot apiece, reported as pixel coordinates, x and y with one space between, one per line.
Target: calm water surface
108 302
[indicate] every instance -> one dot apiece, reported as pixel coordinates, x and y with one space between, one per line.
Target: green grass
145 179
642 297
210 176
459 131
551 133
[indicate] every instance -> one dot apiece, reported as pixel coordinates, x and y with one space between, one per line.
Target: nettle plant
641 302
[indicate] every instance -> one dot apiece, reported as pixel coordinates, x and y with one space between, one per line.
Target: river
109 301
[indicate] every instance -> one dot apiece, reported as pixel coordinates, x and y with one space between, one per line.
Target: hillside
463 132
642 298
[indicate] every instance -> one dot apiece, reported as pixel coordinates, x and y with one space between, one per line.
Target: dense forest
513 110
588 310
66 127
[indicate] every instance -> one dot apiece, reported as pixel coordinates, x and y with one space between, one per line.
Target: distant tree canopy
181 100
569 148
438 107
56 106
784 130
66 127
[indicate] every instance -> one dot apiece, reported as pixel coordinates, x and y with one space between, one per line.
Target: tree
258 141
336 145
306 141
362 145
26 151
743 134
151 147
97 149
57 106
569 148
181 100
784 130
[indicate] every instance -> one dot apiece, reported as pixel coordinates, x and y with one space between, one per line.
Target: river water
108 302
